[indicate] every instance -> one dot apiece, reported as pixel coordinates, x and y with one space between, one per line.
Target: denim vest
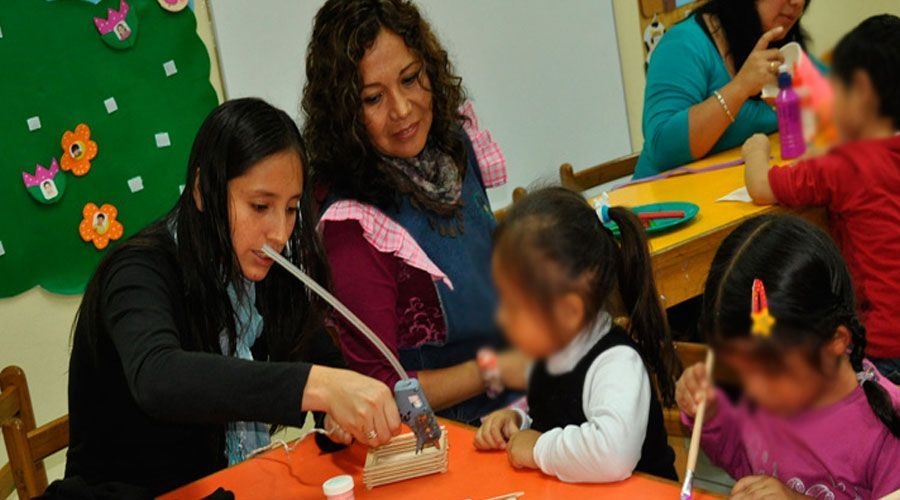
469 307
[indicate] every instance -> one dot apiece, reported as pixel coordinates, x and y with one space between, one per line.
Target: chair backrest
26 444
599 174
518 194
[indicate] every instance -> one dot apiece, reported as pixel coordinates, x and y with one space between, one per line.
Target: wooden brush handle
698 418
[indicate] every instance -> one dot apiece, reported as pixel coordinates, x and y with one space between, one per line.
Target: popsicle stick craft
420 453
398 460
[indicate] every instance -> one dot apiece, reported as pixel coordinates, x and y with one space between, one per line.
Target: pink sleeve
721 439
885 478
817 181
365 281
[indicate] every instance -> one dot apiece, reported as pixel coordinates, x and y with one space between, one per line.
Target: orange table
681 258
471 474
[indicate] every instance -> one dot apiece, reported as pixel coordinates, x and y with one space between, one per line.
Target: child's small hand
757 144
520 450
690 389
753 487
336 433
496 430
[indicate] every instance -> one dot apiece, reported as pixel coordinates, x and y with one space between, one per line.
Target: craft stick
684 170
694 450
507 496
663 214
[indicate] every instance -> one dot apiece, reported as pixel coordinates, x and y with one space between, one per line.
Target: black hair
235 136
873 47
343 156
810 295
740 21
557 225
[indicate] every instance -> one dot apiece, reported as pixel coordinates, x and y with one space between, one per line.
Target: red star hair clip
763 321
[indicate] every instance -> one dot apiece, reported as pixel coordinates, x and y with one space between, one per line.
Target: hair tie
763 321
602 208
867 374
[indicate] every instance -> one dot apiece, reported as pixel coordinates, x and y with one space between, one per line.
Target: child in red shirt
858 181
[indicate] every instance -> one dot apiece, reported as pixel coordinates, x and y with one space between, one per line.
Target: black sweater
149 411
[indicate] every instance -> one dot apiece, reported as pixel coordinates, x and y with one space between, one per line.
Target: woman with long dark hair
406 222
188 341
706 75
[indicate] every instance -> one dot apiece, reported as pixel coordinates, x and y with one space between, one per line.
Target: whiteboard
544 75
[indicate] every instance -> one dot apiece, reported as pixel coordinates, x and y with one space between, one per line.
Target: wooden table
681 258
471 474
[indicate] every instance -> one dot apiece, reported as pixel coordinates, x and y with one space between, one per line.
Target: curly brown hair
342 156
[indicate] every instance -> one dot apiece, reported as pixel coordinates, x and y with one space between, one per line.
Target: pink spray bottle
790 119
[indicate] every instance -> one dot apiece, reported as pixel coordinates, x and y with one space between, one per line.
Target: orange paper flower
100 225
78 150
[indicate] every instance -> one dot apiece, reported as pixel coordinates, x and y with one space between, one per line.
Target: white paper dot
162 140
111 105
136 184
34 123
2 250
180 188
169 68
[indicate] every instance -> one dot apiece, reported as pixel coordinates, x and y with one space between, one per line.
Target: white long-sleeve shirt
616 402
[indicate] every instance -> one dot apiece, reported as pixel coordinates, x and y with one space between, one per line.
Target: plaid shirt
389 237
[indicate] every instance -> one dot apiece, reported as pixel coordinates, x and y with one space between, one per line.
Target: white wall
545 76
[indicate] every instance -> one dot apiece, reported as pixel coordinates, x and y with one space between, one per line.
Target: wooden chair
597 175
26 444
518 194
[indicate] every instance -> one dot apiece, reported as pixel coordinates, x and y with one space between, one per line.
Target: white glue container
339 488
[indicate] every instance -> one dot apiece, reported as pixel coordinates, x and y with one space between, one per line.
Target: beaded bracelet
490 372
724 105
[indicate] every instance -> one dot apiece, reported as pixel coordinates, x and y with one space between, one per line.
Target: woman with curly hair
407 227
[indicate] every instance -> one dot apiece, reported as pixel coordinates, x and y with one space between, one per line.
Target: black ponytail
877 397
637 287
557 225
810 294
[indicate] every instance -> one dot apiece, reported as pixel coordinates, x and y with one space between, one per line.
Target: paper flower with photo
78 150
99 225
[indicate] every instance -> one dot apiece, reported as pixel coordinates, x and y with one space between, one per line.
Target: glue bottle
790 120
339 488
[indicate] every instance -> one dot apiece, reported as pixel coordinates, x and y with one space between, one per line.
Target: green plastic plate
662 225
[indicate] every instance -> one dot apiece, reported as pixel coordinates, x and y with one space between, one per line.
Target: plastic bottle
339 488
790 118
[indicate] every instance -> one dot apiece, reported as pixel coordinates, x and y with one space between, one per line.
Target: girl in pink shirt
816 419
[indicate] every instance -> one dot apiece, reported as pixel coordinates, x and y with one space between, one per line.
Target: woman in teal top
705 77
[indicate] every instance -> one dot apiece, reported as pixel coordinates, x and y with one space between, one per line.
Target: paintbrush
688 487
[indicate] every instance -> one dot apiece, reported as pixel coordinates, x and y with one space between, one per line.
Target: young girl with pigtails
594 415
816 418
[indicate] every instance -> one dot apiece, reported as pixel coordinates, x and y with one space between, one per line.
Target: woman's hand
361 406
520 451
336 433
761 65
691 388
759 487
496 429
513 370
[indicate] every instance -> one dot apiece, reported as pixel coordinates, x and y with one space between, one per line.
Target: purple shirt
834 452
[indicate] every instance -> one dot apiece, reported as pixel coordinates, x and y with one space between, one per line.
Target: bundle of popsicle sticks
397 460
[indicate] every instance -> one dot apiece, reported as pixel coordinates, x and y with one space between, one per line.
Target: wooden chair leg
29 475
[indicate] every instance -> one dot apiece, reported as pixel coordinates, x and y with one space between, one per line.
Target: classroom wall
544 76
826 21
